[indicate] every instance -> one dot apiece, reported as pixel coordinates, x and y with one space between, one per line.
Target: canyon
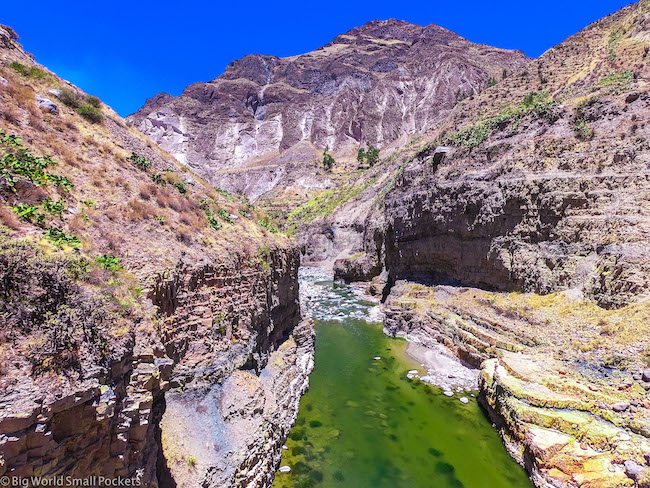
152 325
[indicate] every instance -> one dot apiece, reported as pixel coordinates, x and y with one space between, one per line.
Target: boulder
47 105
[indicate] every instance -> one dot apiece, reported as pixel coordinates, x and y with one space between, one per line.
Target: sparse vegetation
59 238
109 262
180 186
91 113
223 213
534 104
68 98
41 297
139 162
29 71
268 224
616 78
328 160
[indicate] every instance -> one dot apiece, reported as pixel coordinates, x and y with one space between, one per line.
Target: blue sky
125 52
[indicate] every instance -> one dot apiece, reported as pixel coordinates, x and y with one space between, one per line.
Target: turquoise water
363 423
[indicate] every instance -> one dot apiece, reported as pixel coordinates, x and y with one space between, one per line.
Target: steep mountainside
538 183
266 120
129 291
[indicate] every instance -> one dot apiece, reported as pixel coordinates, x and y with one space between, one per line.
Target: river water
363 423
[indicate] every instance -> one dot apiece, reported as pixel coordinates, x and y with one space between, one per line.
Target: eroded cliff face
265 117
161 389
132 295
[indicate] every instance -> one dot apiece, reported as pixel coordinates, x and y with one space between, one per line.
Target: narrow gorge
403 259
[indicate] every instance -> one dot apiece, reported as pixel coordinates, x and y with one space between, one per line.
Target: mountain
129 291
266 120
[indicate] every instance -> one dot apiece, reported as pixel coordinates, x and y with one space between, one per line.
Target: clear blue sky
125 52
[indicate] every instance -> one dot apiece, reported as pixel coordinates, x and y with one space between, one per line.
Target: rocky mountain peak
396 30
374 84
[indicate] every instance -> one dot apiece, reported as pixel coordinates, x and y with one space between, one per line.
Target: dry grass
8 218
139 210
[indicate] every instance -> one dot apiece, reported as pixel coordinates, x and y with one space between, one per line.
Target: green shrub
10 139
212 220
60 238
94 101
158 179
54 207
223 213
61 182
224 193
88 203
28 71
268 225
29 213
69 98
24 163
180 186
88 112
370 156
491 82
108 261
139 161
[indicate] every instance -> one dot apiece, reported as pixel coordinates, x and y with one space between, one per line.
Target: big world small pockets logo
68 481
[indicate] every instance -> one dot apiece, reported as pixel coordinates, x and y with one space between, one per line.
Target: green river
363 423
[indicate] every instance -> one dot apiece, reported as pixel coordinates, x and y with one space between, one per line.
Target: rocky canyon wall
230 346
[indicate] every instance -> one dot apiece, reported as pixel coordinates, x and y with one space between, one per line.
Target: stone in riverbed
620 406
285 469
645 376
377 358
464 400
448 393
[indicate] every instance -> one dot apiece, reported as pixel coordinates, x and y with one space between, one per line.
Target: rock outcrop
561 378
265 117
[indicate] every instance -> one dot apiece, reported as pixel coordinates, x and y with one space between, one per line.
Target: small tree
504 75
372 155
361 155
328 160
491 82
